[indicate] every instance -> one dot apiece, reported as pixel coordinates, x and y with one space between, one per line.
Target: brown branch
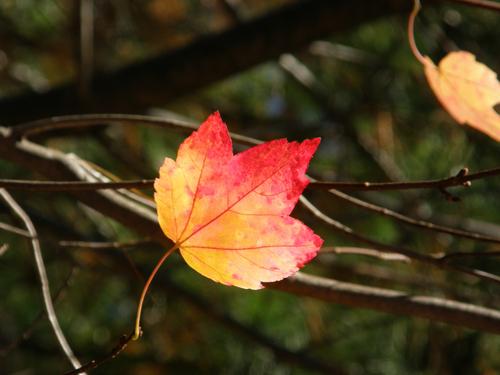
122 344
42 273
66 186
221 317
105 245
392 302
92 120
426 259
461 179
415 222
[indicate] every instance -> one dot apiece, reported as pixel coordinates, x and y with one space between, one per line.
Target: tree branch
423 258
415 222
12 229
461 179
392 302
42 273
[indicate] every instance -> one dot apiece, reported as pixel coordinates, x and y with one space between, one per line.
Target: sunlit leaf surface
229 214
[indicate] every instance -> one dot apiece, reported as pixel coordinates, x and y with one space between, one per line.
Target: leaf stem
137 329
411 32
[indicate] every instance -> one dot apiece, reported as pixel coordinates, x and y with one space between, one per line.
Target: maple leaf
467 89
229 214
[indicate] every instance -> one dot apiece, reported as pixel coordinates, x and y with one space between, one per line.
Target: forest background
397 295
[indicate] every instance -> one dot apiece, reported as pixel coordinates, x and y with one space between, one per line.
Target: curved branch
392 302
423 258
93 120
415 222
44 281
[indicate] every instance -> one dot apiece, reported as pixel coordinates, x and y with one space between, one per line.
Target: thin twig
415 222
12 229
34 185
461 179
105 245
42 273
364 251
92 120
29 330
122 344
426 259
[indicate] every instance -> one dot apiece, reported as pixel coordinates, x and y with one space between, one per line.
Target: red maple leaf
229 214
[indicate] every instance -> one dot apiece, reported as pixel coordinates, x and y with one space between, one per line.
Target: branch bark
44 281
392 302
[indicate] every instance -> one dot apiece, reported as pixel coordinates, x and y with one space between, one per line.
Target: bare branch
363 251
93 120
105 245
415 222
12 229
392 302
42 273
59 166
122 344
461 179
426 259
65 186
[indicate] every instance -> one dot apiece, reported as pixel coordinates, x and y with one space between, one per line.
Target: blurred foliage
373 84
